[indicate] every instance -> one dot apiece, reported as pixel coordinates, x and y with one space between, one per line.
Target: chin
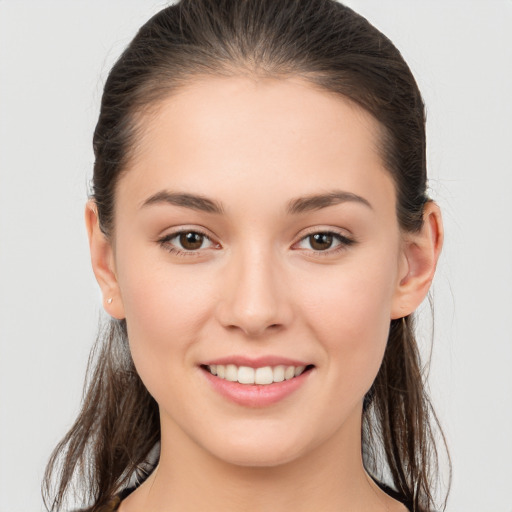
259 450
259 458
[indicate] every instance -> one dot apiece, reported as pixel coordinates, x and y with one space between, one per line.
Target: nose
254 299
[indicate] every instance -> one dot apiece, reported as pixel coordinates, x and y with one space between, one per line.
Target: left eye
323 241
188 241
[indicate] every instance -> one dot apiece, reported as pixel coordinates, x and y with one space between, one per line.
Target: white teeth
299 370
289 373
279 373
231 373
245 375
262 376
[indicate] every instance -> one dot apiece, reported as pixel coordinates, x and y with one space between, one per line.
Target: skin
257 286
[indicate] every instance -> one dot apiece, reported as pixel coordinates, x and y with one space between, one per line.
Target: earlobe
102 260
420 255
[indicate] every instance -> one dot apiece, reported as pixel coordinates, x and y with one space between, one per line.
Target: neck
329 477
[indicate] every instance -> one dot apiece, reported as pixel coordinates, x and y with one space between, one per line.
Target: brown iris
191 240
321 241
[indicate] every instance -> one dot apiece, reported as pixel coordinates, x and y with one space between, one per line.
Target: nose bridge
255 296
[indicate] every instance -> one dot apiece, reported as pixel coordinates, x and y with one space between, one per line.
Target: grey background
54 56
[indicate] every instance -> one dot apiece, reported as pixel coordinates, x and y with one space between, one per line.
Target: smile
264 375
256 381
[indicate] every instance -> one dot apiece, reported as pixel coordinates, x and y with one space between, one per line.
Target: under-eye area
264 375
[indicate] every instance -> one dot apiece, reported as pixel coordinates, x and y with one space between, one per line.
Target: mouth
263 376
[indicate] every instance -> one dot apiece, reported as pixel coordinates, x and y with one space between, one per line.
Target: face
256 237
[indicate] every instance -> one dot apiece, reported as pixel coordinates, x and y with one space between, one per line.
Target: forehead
255 133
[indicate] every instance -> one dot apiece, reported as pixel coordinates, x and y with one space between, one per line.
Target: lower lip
256 395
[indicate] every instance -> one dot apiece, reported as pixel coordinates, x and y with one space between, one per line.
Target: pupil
191 241
321 241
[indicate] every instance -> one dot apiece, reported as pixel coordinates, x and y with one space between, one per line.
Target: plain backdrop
54 56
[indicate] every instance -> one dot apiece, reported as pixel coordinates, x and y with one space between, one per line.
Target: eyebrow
295 206
319 201
192 201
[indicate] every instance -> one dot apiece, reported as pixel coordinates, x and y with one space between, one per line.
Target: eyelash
343 242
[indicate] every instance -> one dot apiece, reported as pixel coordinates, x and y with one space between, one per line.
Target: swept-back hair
336 50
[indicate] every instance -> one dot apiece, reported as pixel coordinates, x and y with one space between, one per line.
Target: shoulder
397 496
110 504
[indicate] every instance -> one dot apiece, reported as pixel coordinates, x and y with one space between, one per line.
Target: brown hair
337 50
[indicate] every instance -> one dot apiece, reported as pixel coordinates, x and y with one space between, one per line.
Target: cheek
353 298
161 296
165 307
348 311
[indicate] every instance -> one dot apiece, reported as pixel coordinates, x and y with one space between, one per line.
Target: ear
420 254
102 259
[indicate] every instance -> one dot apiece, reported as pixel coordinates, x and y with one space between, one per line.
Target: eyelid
180 228
342 233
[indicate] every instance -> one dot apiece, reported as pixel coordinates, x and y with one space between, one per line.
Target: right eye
188 241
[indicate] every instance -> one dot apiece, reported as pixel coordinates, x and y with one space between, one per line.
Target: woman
260 230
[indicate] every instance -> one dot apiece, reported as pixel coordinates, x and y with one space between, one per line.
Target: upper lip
256 362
